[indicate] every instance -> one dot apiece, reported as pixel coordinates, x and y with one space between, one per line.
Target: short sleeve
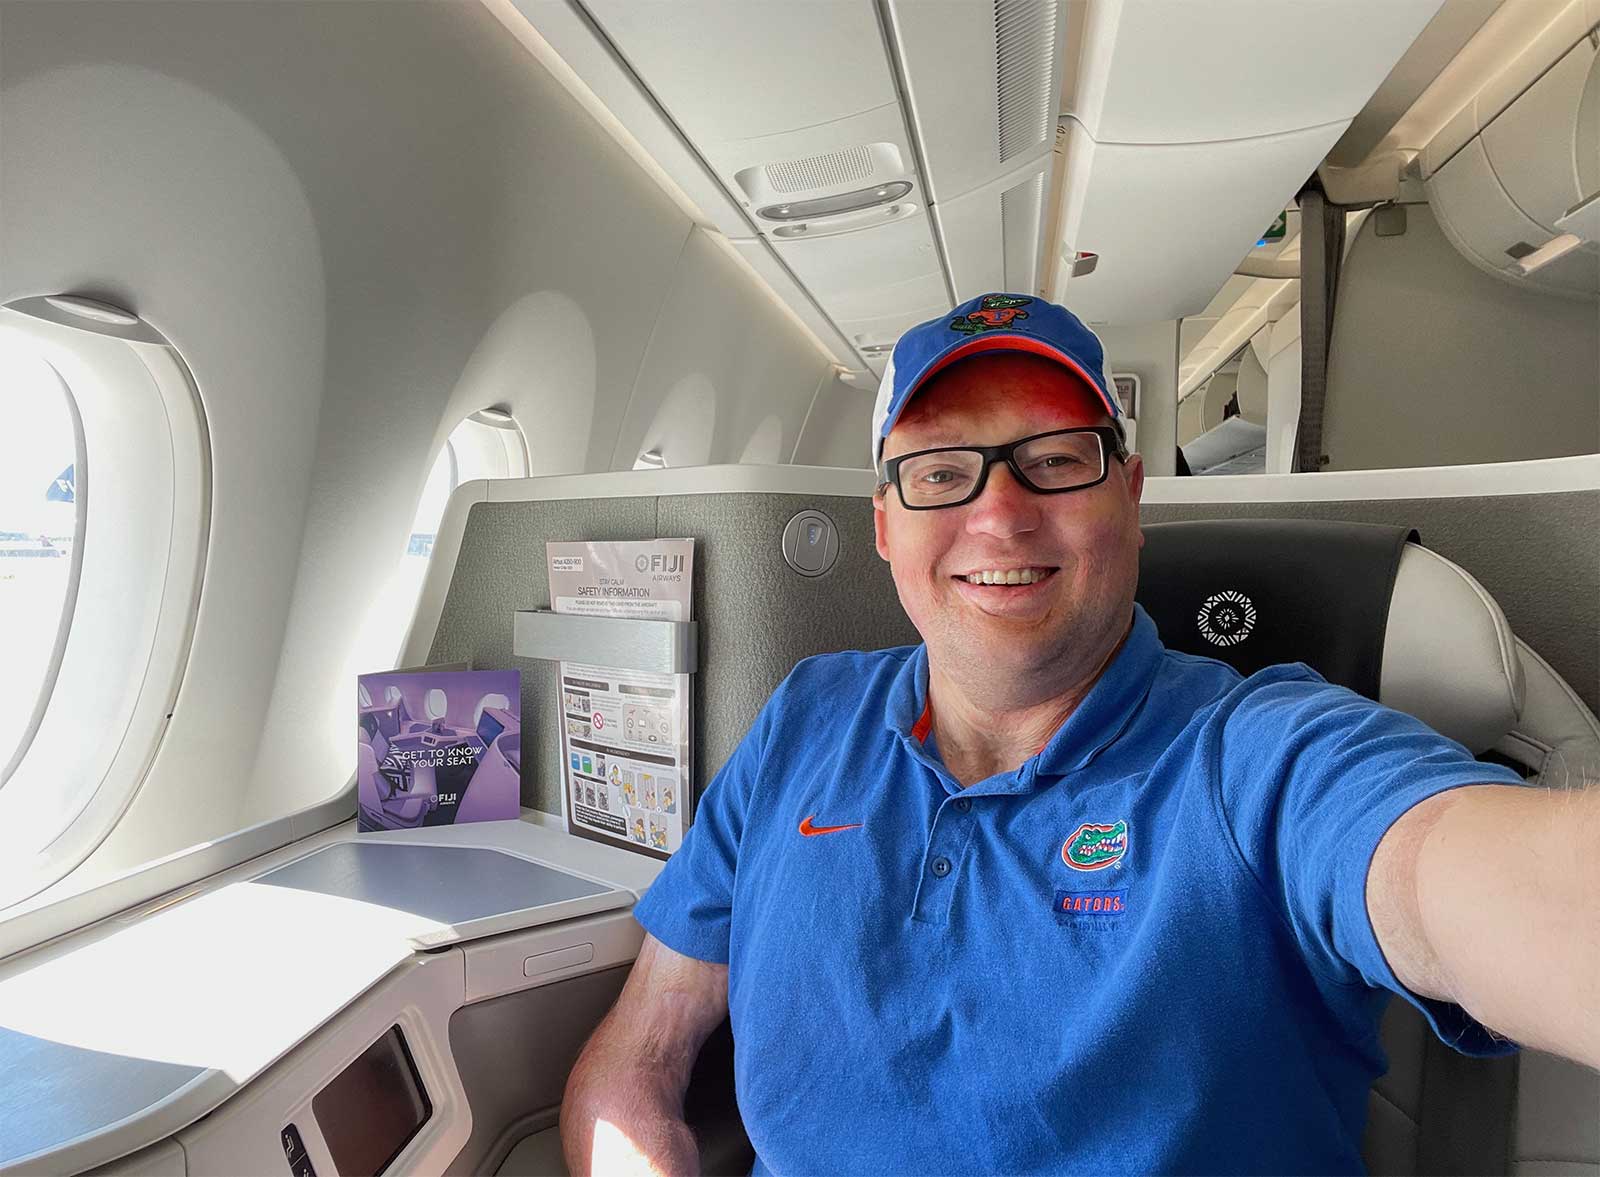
1310 777
689 907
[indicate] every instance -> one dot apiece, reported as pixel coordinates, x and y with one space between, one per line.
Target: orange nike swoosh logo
812 831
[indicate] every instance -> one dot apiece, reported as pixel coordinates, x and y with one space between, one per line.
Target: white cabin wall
717 361
838 432
358 222
120 177
1150 351
1436 363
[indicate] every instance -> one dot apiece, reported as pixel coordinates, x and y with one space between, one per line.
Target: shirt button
941 867
963 804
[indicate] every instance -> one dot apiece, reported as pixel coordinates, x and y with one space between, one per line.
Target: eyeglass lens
1056 462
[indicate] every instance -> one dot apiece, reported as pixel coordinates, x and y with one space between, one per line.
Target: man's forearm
1508 891
623 1109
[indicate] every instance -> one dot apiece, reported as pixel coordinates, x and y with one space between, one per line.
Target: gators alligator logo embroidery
995 311
1094 846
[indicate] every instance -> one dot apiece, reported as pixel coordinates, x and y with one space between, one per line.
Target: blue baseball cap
990 322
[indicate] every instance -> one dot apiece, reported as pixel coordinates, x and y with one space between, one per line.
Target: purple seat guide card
438 747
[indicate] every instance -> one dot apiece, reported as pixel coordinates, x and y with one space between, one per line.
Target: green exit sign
1276 232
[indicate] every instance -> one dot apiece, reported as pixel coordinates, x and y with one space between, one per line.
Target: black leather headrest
1255 592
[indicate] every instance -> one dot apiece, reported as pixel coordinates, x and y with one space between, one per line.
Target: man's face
1083 546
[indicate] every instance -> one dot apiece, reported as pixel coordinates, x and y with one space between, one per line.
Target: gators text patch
1099 911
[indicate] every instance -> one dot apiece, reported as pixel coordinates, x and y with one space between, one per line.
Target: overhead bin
1503 175
1170 222
1176 71
1191 126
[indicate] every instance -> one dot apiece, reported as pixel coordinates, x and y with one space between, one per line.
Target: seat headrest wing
1449 656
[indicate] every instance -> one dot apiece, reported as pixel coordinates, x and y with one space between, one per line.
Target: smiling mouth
1007 577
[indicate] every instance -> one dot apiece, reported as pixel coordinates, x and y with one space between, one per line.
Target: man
1039 894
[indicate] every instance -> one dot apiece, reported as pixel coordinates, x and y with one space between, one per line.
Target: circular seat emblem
1226 619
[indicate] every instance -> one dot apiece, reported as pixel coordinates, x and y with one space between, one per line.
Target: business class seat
1372 609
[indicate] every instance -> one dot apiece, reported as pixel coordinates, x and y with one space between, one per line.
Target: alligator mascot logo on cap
995 311
1094 846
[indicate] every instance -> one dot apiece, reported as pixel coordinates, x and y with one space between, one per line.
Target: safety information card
625 733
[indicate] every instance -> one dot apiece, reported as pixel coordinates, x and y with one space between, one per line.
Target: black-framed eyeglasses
1046 463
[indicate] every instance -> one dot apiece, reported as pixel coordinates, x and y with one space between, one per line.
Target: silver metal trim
660 647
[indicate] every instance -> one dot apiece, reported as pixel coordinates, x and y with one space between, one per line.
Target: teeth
1009 576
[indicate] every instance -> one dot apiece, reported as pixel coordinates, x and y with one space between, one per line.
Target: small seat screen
370 1112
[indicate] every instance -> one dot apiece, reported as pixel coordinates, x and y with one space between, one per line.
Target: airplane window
442 479
437 704
486 444
363 696
40 452
97 607
495 699
391 696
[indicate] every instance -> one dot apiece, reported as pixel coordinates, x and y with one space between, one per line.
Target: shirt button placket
946 840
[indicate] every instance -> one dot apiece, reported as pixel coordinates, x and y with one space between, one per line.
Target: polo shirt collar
1110 705
1096 722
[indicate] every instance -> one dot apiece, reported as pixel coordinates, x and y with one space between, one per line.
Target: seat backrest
1371 609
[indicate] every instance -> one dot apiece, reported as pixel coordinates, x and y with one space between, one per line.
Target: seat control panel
294 1151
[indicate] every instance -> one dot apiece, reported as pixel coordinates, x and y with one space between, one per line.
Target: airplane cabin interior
320 320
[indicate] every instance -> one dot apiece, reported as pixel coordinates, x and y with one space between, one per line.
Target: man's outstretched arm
1489 896
623 1107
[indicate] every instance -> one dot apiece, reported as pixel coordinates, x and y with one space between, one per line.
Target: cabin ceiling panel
761 258
983 83
779 104
1168 221
891 270
792 66
795 93
992 236
787 104
1176 71
563 28
885 327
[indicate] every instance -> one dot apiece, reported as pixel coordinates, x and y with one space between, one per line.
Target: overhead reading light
875 349
650 460
828 206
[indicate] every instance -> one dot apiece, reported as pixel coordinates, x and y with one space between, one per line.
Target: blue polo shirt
1145 950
